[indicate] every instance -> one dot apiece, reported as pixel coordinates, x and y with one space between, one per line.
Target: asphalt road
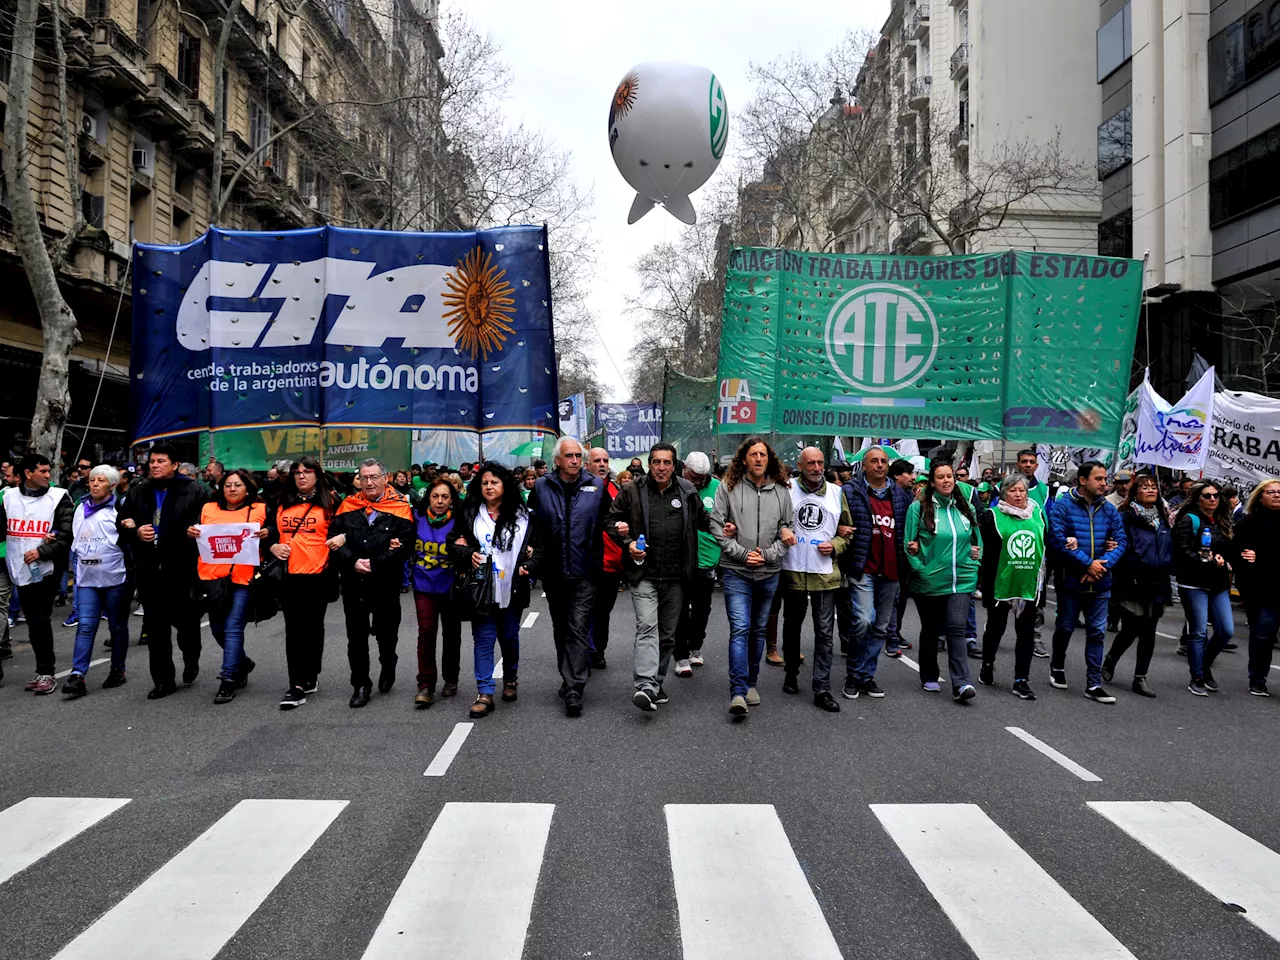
1024 869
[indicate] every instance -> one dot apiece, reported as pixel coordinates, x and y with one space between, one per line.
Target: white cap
698 463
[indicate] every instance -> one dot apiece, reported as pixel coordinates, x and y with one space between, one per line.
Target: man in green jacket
810 577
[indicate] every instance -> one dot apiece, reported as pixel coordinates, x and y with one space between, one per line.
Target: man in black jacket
570 508
668 511
153 521
372 537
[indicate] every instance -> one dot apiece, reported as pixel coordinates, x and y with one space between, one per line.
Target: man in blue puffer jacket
1089 536
570 507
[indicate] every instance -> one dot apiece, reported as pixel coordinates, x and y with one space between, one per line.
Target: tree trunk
58 323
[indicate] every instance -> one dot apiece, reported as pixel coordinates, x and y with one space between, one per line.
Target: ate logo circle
1022 545
881 337
809 516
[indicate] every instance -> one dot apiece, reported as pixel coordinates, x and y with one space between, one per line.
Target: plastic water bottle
1206 545
34 568
640 543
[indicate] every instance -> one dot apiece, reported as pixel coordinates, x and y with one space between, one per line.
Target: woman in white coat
102 580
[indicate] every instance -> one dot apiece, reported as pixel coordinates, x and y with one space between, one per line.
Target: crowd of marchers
847 547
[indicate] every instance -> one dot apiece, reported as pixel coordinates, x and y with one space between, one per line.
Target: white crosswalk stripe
735 871
477 871
1234 868
976 871
196 902
38 825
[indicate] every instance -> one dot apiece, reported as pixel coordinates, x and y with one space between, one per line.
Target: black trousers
1024 633
606 596
1133 627
371 607
167 607
695 611
37 603
795 604
302 604
571 600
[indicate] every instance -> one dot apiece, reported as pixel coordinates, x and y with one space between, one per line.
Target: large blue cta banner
353 328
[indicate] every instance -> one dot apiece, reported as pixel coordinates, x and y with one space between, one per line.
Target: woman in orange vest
237 502
297 534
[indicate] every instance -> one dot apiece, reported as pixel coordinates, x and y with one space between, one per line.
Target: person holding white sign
242 516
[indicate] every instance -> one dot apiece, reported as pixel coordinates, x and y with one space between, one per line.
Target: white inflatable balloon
668 127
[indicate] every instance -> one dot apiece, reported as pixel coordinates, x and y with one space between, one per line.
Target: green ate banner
995 347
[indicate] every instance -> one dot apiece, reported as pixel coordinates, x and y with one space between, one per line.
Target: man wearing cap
1119 488
695 610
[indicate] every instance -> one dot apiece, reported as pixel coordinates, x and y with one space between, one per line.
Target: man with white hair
695 611
570 507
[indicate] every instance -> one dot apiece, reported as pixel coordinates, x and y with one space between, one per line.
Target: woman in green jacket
943 551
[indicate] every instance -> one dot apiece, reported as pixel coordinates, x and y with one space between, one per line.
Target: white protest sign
227 543
1245 440
1175 436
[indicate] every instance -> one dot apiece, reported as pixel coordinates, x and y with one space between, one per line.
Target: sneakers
662 697
871 689
1099 695
790 685
851 691
74 687
1197 687
695 659
1022 690
294 697
645 701
825 701
1258 688
71 621
1182 648
753 697
1040 650
684 668
138 612
314 685
738 706
115 678
226 692
987 674
42 683
894 653
1058 679
1210 684
242 674
965 693
931 686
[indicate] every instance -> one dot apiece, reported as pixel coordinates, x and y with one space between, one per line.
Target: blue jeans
92 601
747 602
1199 606
227 627
504 629
971 627
1094 607
873 608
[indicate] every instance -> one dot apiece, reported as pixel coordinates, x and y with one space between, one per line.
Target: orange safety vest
305 527
240 573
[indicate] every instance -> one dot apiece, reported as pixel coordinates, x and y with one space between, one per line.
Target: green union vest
1021 553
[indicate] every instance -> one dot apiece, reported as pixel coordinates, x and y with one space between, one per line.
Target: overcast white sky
567 57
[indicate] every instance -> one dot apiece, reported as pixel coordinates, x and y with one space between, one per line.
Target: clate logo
881 337
1022 545
736 405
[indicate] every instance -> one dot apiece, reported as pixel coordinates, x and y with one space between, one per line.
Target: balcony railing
918 94
959 137
912 233
960 61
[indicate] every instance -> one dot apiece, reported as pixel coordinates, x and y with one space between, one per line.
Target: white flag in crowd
1175 436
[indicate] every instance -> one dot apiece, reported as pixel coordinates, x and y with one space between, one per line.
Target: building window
1115 43
6 46
281 35
259 125
1246 178
1115 143
95 9
189 61
1115 236
306 72
1244 50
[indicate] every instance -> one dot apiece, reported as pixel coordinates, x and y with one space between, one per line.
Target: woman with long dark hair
435 517
235 502
1140 585
494 529
1204 579
943 551
297 533
1257 536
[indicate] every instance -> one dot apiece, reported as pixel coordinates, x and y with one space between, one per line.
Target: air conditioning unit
89 125
141 159
313 202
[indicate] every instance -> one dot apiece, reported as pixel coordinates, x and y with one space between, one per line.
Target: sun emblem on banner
624 98
478 305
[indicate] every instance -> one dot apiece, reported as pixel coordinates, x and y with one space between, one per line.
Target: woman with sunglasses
1202 549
